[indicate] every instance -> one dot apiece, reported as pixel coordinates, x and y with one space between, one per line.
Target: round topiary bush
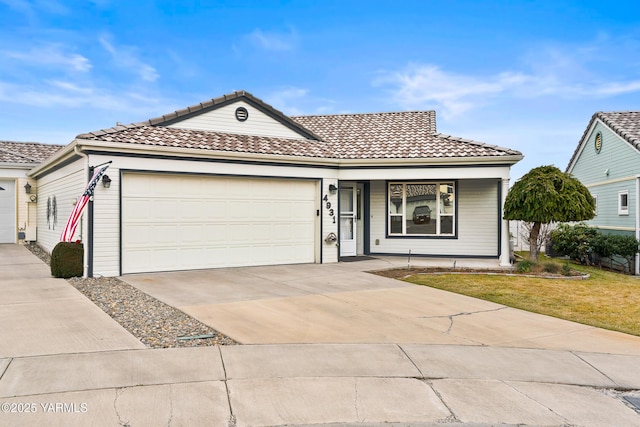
67 259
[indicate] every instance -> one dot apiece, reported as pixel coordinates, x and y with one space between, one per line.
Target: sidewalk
292 384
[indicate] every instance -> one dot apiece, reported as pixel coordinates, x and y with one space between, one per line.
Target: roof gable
625 124
219 115
27 153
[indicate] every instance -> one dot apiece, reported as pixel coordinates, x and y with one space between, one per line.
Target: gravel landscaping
154 323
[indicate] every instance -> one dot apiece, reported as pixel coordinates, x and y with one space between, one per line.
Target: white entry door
348 213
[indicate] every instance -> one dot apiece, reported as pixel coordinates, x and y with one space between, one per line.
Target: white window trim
623 210
595 202
404 213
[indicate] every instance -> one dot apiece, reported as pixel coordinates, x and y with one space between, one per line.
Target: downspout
85 224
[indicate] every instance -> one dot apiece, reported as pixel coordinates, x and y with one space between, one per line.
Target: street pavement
63 362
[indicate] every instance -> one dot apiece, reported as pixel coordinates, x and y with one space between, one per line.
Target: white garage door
7 211
182 222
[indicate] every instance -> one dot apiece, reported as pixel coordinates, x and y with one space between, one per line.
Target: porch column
504 237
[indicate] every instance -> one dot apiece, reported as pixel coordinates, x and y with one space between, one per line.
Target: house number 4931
327 205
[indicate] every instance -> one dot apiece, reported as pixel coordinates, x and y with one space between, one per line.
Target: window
623 202
421 209
595 203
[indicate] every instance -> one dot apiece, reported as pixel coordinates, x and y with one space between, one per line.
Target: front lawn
606 300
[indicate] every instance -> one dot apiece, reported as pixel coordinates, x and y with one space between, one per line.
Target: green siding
608 205
616 155
622 162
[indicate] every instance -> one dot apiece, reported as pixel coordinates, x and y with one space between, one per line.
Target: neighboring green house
607 162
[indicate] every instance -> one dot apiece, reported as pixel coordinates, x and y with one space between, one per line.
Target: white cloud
593 70
57 93
618 88
420 86
70 87
126 57
273 41
50 55
283 99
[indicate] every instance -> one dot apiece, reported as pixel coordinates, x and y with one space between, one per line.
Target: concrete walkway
42 315
406 384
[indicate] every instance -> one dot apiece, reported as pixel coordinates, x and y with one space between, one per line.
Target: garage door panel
192 209
242 210
184 222
138 210
216 209
216 233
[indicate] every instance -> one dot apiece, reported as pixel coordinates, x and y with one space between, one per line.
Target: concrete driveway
63 362
342 303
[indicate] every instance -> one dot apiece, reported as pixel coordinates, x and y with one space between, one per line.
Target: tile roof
410 134
206 140
624 123
27 153
400 135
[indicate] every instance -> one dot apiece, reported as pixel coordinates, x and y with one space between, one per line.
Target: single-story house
234 182
607 162
17 191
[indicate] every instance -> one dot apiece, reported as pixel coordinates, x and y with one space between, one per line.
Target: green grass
606 300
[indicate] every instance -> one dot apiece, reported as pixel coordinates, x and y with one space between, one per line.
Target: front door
348 216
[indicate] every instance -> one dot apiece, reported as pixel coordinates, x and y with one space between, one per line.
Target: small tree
543 234
546 195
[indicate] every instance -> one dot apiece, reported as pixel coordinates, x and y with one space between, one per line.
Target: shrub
576 242
589 246
67 259
566 269
524 266
625 246
550 267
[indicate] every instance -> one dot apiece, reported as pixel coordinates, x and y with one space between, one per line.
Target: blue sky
527 75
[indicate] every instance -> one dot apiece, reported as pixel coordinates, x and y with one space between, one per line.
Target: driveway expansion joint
596 369
517 390
6 368
422 376
452 418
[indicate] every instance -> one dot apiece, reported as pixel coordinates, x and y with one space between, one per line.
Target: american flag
72 223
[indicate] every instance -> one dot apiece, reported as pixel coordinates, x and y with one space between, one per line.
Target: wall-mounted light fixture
27 188
106 181
332 189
